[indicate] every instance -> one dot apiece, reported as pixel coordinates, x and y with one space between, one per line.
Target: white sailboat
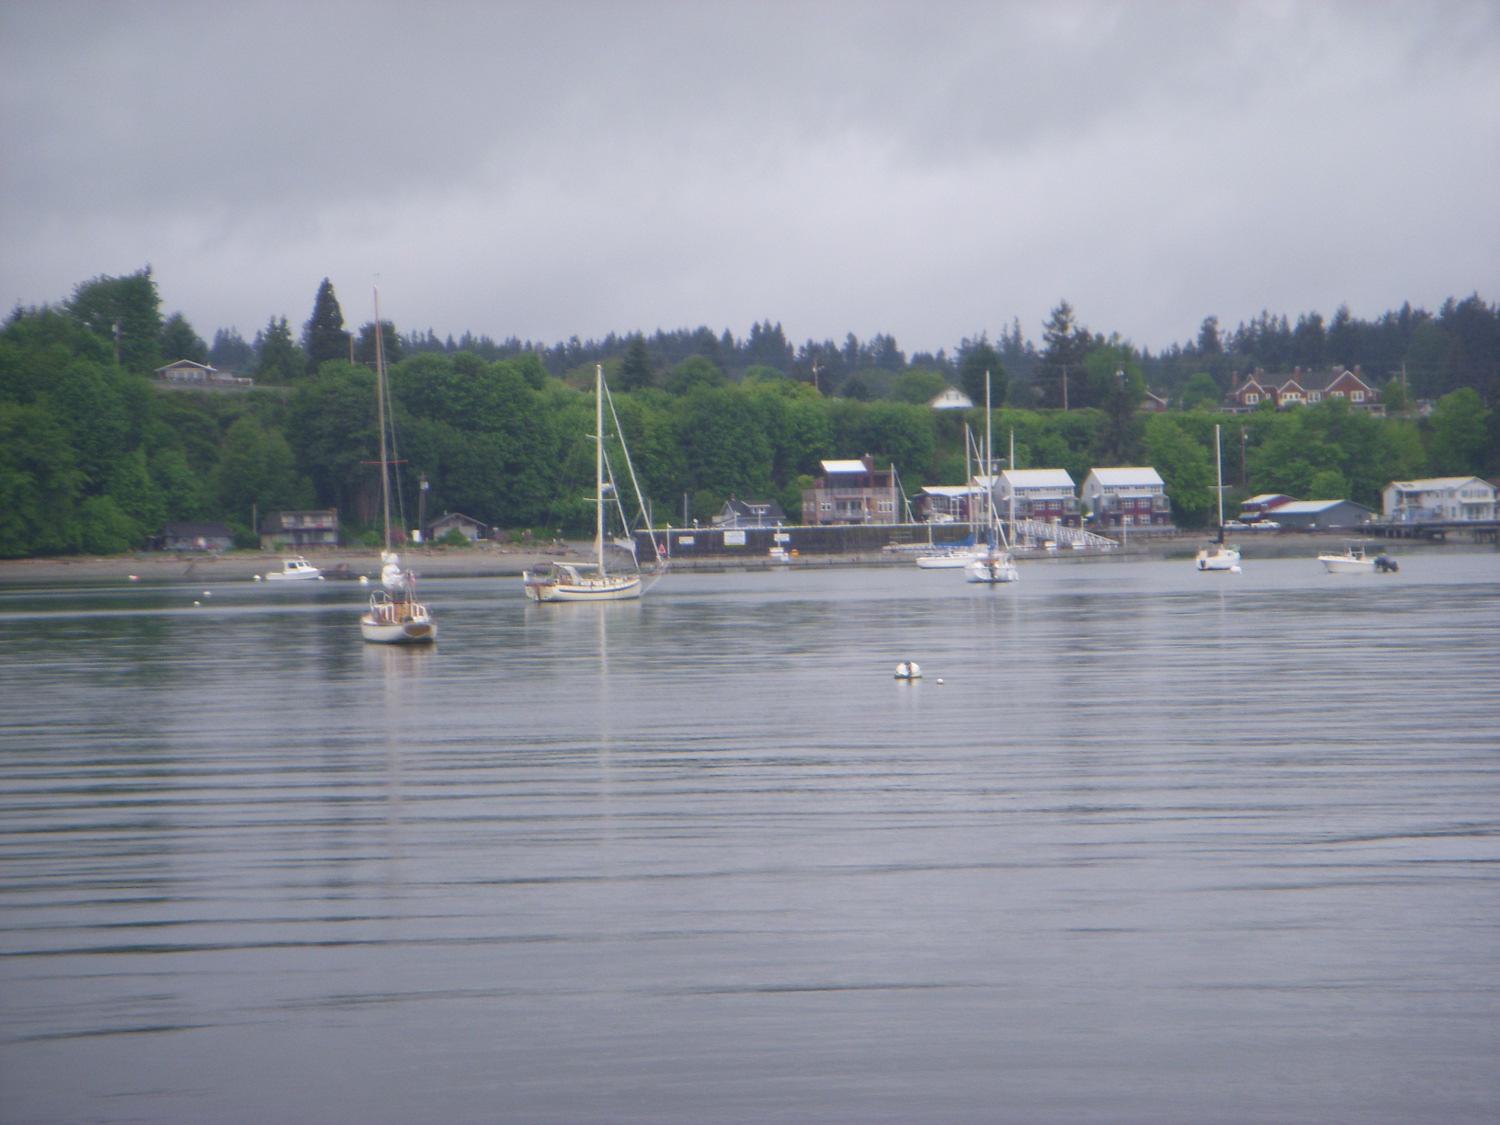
993 564
955 554
394 616
1218 555
593 581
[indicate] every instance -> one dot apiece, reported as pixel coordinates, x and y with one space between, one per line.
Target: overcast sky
928 170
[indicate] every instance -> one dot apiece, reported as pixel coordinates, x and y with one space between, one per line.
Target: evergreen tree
230 352
977 359
278 359
636 370
126 311
390 339
179 341
1062 359
323 336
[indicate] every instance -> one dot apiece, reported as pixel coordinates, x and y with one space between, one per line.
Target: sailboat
1218 555
593 581
954 554
993 564
394 616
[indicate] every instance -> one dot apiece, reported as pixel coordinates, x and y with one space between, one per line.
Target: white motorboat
1218 555
593 581
394 615
1353 560
295 569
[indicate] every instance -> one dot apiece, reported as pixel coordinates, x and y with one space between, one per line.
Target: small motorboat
295 569
1354 560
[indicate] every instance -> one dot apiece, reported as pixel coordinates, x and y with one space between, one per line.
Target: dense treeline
96 457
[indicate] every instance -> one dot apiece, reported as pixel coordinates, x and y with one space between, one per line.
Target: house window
1251 400
826 506
1358 396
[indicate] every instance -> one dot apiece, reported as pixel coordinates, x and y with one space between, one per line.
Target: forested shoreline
96 455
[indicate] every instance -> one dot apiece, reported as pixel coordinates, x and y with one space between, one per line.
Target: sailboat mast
1219 481
989 462
385 483
599 464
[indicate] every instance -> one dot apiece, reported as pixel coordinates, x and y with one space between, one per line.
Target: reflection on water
1160 846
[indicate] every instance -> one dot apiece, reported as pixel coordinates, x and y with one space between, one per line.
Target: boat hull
1341 564
1227 560
944 562
397 623
991 571
609 589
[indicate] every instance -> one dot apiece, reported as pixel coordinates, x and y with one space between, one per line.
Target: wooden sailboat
594 581
993 564
1218 555
394 616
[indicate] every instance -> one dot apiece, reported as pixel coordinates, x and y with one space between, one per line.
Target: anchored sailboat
593 581
1217 555
394 616
993 564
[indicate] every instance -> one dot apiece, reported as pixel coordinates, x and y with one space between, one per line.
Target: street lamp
422 487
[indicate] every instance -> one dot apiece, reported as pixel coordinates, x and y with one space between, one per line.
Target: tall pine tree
323 336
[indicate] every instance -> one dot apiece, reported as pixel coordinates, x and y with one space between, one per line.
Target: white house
1438 498
1133 496
952 398
1039 494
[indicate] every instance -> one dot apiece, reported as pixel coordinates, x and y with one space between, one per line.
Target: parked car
1236 525
1266 525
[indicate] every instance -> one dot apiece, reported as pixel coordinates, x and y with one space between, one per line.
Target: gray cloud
929 171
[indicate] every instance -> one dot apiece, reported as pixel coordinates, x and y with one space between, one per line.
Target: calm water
1162 847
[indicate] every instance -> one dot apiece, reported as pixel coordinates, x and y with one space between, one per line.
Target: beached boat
593 581
394 615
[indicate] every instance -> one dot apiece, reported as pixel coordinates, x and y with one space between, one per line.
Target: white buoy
908 670
197 603
135 577
208 593
364 579
257 578
940 679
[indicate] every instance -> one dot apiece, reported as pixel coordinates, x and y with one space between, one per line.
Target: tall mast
1219 481
385 484
599 464
989 462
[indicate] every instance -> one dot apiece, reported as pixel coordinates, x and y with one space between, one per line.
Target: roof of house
1127 475
181 363
951 489
755 508
1037 478
951 398
1266 498
1312 507
453 517
1432 484
845 467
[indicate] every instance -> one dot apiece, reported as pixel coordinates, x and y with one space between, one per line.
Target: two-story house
1038 494
1438 499
852 492
1299 387
280 531
1133 496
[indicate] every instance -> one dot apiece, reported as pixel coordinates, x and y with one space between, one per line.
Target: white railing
1040 531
